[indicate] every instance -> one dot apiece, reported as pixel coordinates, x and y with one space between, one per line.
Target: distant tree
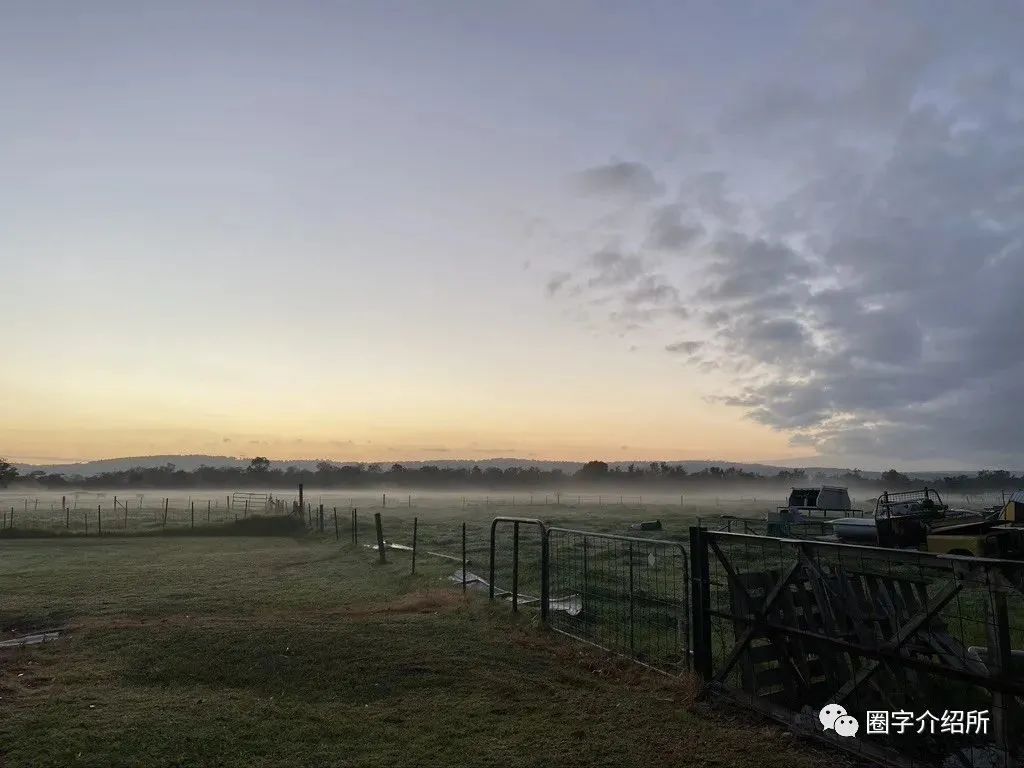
8 473
592 470
259 466
894 479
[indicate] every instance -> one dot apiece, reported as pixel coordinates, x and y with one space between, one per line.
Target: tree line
652 476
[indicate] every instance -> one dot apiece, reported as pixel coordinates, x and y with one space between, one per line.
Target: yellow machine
1004 541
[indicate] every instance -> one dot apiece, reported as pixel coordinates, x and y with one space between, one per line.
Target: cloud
611 268
623 180
668 231
865 292
685 347
556 281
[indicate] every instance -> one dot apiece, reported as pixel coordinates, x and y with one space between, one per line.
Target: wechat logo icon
834 717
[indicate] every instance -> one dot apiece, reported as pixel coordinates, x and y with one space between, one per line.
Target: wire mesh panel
924 652
625 594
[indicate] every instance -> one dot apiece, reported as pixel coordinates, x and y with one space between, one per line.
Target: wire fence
98 514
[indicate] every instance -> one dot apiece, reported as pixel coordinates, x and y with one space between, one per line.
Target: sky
382 231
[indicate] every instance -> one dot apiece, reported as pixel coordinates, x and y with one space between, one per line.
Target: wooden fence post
415 525
99 520
337 533
380 536
193 506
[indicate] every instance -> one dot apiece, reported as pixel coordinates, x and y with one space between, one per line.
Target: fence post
545 574
193 507
464 560
490 569
99 520
515 567
67 514
321 518
126 516
380 536
166 500
700 603
207 510
337 533
632 640
355 527
301 504
415 526
1000 660
384 500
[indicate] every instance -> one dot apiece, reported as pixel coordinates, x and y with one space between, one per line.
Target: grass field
279 651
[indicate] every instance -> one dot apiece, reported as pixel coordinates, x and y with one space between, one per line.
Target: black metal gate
624 594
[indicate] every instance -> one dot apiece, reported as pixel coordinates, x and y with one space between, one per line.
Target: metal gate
625 594
621 593
901 640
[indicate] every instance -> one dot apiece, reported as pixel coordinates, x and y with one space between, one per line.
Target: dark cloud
652 289
669 232
611 268
685 347
625 180
556 281
870 303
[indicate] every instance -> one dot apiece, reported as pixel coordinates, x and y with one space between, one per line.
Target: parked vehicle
920 519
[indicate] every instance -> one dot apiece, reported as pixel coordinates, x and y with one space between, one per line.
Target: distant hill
193 461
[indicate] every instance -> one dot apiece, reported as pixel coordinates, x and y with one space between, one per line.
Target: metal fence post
700 603
632 641
515 567
490 573
545 575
